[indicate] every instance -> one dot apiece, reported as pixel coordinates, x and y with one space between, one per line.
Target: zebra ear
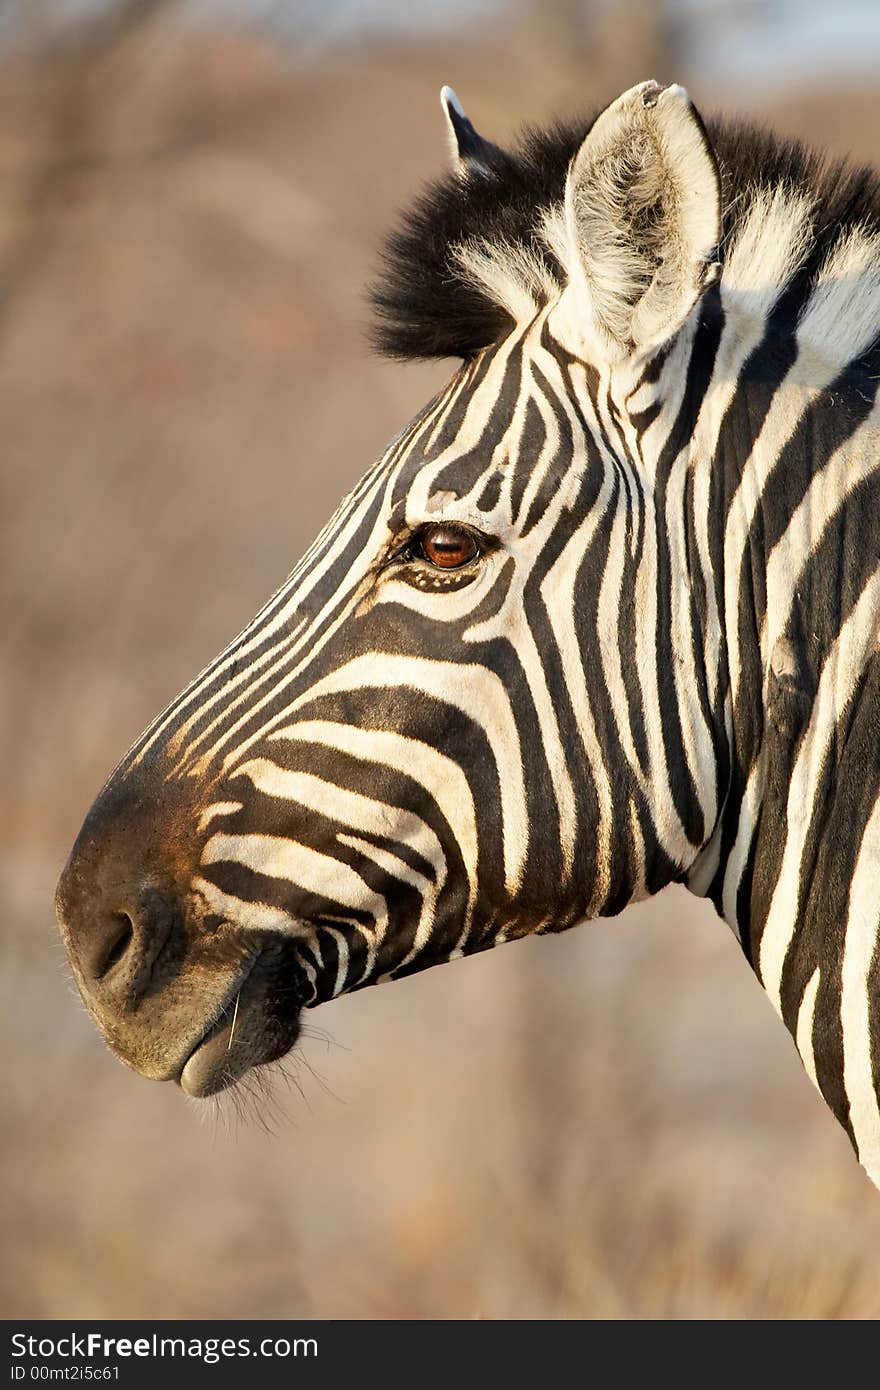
643 217
468 149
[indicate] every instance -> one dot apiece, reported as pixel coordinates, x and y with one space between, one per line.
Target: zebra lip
223 1053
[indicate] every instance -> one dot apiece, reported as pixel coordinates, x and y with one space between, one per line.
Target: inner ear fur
643 216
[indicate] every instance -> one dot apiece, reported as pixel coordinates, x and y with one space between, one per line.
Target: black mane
423 305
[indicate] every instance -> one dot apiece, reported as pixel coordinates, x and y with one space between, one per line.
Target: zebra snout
177 994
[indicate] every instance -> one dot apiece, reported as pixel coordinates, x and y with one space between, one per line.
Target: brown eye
447 547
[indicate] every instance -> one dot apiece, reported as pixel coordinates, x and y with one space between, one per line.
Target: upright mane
480 248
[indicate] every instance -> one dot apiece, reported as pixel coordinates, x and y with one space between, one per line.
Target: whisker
234 1021
303 1061
320 1035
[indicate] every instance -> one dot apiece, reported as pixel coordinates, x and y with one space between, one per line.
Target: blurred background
611 1123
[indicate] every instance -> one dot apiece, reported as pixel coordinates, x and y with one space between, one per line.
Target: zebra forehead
473 257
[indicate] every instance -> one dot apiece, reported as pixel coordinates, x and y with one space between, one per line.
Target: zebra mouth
258 1024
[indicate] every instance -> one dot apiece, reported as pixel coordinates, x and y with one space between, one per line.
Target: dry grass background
608 1124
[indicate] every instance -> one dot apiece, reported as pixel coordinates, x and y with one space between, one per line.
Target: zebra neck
794 861
794 554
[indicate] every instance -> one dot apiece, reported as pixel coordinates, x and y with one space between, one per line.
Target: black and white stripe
663 666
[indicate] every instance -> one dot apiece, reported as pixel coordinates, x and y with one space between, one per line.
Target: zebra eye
447 547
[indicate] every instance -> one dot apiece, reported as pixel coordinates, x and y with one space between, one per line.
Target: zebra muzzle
178 995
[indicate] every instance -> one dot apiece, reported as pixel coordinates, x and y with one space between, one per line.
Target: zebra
603 617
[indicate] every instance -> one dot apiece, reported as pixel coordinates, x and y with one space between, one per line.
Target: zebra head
535 666
432 739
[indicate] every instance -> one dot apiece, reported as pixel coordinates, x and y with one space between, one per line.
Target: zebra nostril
119 936
122 918
118 950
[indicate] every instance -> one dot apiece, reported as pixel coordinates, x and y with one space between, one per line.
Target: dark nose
119 944
118 910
